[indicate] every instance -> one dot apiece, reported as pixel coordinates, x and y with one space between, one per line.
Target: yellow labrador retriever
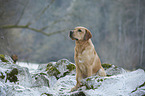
86 59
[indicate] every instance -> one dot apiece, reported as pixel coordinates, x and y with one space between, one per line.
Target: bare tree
27 26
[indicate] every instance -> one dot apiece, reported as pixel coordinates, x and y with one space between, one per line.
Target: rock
93 82
52 71
10 72
6 59
41 79
106 66
61 68
112 69
71 67
120 84
78 93
2 58
57 78
12 75
142 85
63 85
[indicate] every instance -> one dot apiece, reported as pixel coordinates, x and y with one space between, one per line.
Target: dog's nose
71 32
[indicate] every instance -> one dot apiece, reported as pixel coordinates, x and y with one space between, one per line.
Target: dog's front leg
78 79
89 71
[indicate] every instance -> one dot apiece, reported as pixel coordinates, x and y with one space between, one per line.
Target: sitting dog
86 59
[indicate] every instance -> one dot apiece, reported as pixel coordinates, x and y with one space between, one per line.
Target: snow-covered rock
122 84
57 78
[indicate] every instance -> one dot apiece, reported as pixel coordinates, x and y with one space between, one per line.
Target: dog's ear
88 35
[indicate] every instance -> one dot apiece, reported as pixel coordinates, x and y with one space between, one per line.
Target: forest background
37 30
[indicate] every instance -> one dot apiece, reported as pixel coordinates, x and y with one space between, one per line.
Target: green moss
100 80
2 76
2 57
38 75
106 65
47 94
42 73
14 71
49 64
12 76
71 67
98 86
53 71
105 79
92 87
96 77
108 75
88 79
65 73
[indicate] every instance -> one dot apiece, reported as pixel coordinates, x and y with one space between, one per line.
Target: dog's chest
83 57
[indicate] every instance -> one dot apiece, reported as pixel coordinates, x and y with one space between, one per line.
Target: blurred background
37 30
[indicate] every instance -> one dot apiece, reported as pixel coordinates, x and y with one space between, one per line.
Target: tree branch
33 29
42 12
53 23
22 12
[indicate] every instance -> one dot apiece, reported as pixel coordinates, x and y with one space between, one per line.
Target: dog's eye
79 30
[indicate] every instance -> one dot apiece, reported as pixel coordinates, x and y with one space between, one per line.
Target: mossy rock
53 71
35 75
112 69
12 75
71 67
60 68
2 57
139 87
41 80
65 67
62 62
93 82
49 65
106 65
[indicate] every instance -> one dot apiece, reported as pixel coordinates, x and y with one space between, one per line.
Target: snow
31 66
122 83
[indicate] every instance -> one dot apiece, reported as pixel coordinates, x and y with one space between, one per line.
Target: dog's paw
74 89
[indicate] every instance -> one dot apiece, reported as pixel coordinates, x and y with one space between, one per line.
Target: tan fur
87 61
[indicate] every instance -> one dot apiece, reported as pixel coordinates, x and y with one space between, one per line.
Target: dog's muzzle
71 34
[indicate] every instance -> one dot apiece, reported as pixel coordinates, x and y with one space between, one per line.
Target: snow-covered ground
35 80
31 66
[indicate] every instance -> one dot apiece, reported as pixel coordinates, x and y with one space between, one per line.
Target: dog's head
80 33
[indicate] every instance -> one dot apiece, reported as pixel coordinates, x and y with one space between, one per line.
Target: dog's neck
82 44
